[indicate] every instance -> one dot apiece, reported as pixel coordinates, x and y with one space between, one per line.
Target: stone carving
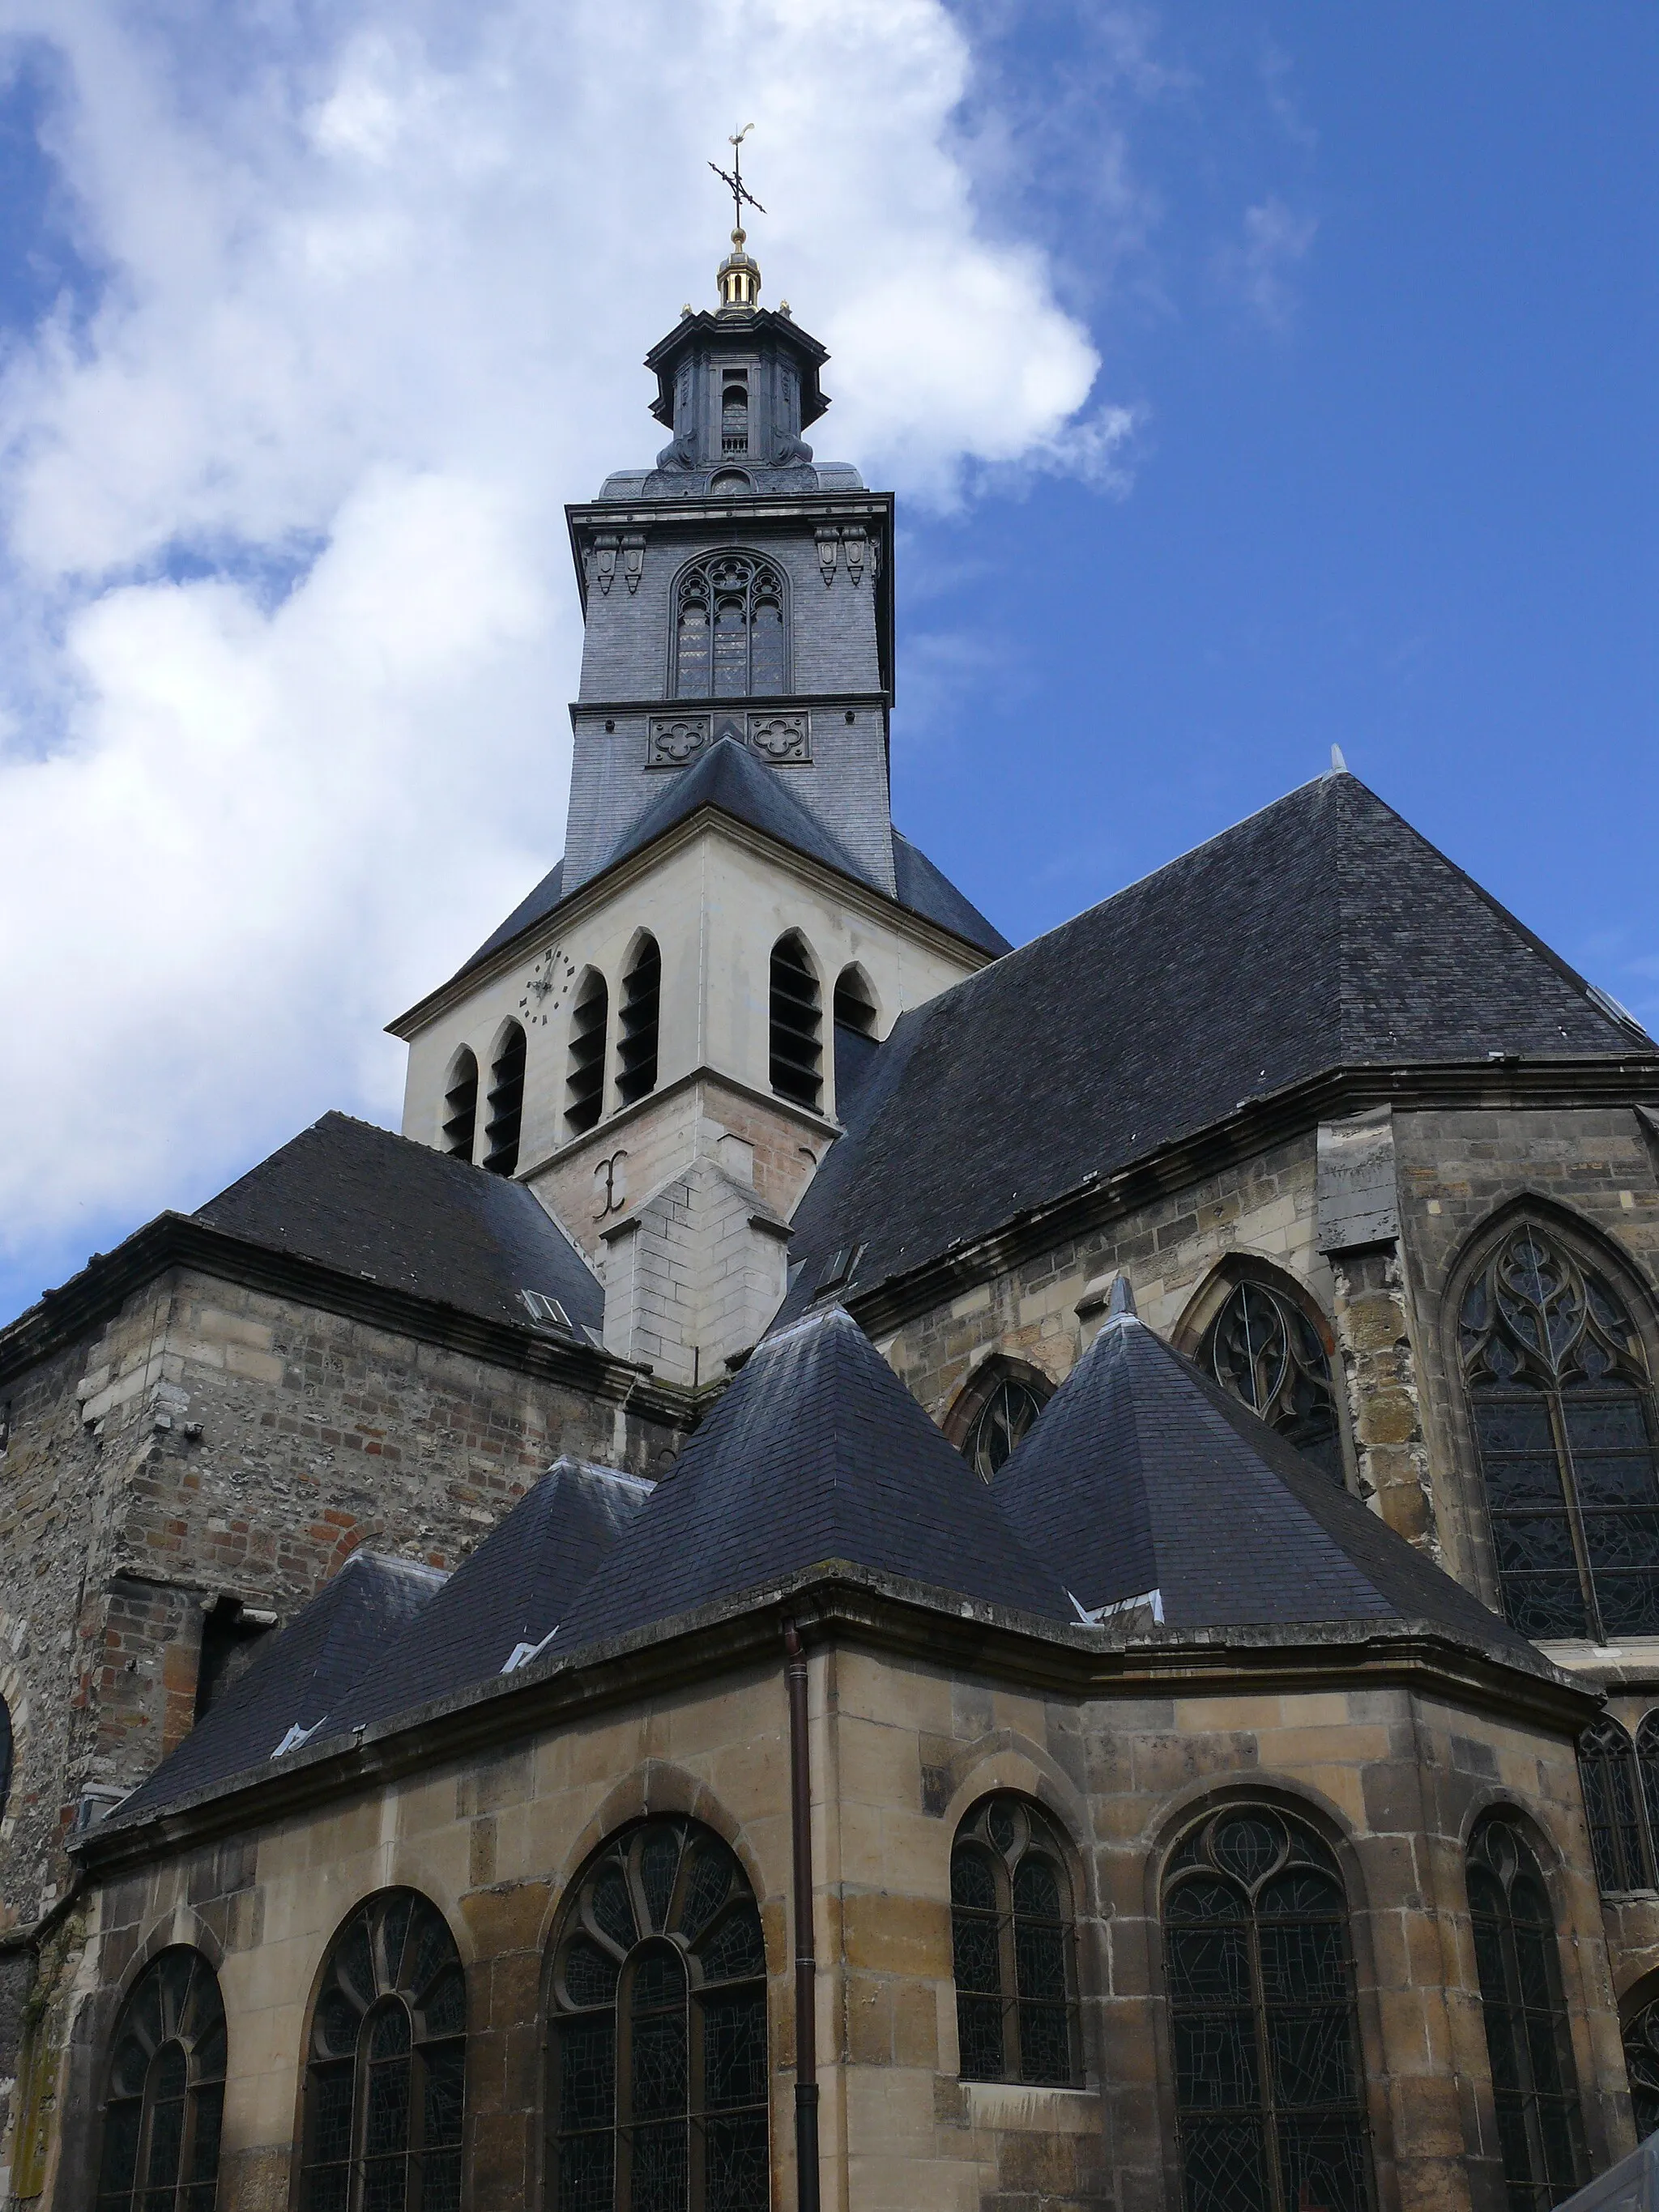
605 561
852 544
675 740
779 737
829 542
633 559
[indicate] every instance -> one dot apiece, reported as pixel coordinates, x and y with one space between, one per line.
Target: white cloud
291 629
1257 266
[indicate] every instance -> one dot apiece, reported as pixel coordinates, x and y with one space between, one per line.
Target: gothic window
1612 1807
1262 1348
1540 2133
641 1005
996 1412
1012 1946
1646 1767
1266 2044
165 2092
797 1053
1642 2065
584 1090
505 1102
855 1018
461 1106
657 2055
1564 1425
730 628
386 2064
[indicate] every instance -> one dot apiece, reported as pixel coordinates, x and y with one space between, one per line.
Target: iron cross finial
733 180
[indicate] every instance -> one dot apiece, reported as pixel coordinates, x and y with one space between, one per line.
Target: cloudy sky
1255 374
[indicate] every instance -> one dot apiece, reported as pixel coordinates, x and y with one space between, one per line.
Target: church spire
738 275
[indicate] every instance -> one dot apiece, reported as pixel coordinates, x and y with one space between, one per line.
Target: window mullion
1567 1479
1263 2057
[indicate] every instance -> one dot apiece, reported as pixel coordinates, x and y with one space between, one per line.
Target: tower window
797 1054
641 1003
584 1090
855 1018
734 416
1262 1348
461 1106
1642 2065
730 628
505 1102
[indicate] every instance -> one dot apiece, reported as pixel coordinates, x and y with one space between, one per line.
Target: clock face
546 986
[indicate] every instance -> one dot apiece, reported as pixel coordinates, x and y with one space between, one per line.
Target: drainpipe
806 1964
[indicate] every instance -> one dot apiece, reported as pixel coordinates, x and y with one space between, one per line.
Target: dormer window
734 415
730 628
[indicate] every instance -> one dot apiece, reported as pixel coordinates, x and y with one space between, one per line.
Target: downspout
806 1964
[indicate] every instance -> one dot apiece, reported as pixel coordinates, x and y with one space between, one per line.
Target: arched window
1266 2044
641 1005
505 1102
855 1019
386 2064
730 628
1563 1417
797 1054
995 1412
1263 1349
1646 1767
656 2057
1642 2065
1012 1946
165 2092
1612 1807
461 1106
734 414
1540 2132
584 1090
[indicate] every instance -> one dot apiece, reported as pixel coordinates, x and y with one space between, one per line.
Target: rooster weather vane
733 180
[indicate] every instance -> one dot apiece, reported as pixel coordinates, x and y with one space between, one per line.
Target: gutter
806 1964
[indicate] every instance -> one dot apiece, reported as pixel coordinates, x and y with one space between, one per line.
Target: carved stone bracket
780 737
605 561
633 553
675 740
854 542
829 542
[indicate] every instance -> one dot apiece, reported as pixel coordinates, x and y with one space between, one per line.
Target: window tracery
1002 1422
1641 2038
1012 1947
1563 1427
165 2090
657 2061
1263 1350
386 2062
1619 1838
1534 2087
730 628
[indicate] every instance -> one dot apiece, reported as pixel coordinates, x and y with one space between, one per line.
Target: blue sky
1369 457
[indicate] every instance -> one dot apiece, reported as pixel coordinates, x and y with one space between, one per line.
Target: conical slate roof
1142 1476
816 1452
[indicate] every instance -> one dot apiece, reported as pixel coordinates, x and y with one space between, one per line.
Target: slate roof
926 891
360 1200
536 907
299 1678
1323 933
1141 1474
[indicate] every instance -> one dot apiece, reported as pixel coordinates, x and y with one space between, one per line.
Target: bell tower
673 1026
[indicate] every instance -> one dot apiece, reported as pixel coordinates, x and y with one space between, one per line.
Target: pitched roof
298 1679
536 907
729 777
816 1452
1142 1475
1321 934
925 891
360 1200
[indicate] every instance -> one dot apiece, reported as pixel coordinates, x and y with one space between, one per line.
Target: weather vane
734 182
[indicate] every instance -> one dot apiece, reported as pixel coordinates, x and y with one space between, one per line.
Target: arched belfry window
1539 2132
855 1018
1263 1349
1620 1841
505 1103
641 1006
1261 1977
1642 2066
165 2092
584 1090
460 1127
796 1026
657 2056
734 413
1564 1425
1013 1946
996 1412
730 628
386 2064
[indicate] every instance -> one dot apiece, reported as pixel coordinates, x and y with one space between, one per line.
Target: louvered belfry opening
641 1001
854 1008
797 1024
461 1107
584 1090
506 1104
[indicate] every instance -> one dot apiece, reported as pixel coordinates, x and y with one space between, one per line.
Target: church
868 1569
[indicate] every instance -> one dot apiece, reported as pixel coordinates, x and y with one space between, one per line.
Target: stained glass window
165 2090
731 629
1011 1945
386 2063
1620 1839
1264 2042
1007 1406
1540 2132
656 2057
1263 1349
1564 1425
1641 2064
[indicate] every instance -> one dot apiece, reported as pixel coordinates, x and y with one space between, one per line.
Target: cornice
179 1241
1255 1125
751 702
834 1602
